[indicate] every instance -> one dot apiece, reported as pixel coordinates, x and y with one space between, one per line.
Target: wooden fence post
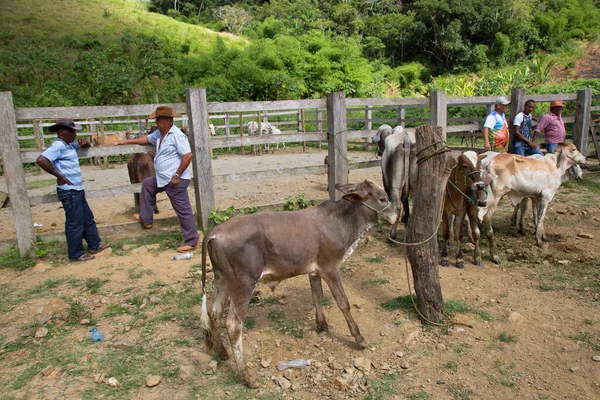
583 117
369 117
401 116
517 104
438 106
15 176
337 138
38 132
201 161
425 220
227 130
319 122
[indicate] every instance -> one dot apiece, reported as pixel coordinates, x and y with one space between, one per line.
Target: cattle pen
336 121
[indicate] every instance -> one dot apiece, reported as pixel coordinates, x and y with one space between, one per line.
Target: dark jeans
550 147
79 222
523 149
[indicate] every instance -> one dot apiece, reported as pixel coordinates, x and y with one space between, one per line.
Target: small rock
265 363
585 235
596 358
55 374
573 369
113 382
281 381
155 299
47 318
409 338
288 374
212 367
340 383
48 370
281 301
564 262
41 267
295 386
362 364
515 317
84 321
335 365
404 364
440 382
399 353
153 380
440 347
40 333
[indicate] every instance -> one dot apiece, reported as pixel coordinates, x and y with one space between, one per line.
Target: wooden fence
331 120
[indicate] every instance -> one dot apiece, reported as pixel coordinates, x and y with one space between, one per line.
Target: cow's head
474 179
372 196
568 151
379 139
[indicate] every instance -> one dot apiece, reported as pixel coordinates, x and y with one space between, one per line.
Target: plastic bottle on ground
299 363
96 335
185 256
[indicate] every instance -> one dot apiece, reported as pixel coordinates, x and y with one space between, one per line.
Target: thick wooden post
38 132
438 106
401 116
201 161
15 176
369 117
337 142
424 221
517 104
583 118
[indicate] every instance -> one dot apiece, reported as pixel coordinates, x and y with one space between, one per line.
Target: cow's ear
355 197
346 187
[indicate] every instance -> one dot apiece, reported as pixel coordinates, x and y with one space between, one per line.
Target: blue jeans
523 149
550 147
79 222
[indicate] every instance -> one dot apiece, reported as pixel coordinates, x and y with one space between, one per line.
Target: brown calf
271 247
141 166
465 193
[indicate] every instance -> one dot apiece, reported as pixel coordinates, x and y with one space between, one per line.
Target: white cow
523 177
400 173
265 129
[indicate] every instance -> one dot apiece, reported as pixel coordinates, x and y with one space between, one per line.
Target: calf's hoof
478 263
444 262
496 260
250 381
323 328
460 264
362 343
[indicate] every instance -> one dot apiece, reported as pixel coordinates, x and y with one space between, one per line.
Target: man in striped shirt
173 156
62 161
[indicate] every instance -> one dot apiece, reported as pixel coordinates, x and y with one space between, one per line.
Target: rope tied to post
443 149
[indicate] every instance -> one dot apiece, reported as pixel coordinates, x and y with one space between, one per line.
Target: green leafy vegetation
280 324
399 303
506 337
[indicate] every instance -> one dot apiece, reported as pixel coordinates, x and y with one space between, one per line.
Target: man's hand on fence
83 143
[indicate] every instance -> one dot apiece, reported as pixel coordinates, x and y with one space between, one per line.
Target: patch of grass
462 307
77 312
25 376
544 287
10 258
588 340
270 300
506 337
399 303
461 348
280 324
133 273
382 388
156 285
506 376
374 282
44 287
458 391
588 322
250 322
376 259
94 284
450 366
326 302
40 184
419 396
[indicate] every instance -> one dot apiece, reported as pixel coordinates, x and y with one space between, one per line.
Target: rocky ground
529 327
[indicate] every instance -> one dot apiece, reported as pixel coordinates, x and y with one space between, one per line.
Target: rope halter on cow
378 212
469 198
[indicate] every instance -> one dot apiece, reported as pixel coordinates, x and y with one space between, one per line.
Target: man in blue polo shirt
62 161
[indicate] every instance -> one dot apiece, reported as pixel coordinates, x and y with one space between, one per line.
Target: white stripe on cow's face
472 156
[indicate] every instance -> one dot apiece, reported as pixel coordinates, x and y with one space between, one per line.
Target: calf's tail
204 318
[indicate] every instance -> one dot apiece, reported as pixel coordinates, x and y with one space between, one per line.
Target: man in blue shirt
524 144
62 161
171 161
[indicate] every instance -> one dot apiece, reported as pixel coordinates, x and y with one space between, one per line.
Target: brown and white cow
465 193
521 177
271 247
400 172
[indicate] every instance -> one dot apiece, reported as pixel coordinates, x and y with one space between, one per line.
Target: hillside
100 19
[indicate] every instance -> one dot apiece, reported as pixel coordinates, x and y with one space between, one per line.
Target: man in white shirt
173 156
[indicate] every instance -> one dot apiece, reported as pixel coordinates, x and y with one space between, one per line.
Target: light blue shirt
168 154
66 161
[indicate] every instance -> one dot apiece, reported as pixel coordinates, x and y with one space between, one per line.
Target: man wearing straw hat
62 161
173 156
553 126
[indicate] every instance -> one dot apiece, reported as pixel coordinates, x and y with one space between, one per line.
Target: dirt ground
534 327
